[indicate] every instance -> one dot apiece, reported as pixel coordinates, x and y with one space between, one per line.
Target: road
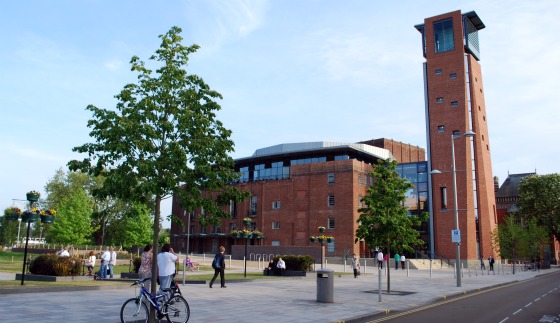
534 300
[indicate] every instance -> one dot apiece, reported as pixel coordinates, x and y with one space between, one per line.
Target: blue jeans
103 270
111 270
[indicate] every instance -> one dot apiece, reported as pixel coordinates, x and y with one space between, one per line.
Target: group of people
491 262
275 268
384 258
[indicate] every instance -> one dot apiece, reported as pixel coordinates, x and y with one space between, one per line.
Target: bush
301 263
54 265
136 262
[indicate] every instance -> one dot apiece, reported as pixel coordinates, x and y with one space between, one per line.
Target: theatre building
296 188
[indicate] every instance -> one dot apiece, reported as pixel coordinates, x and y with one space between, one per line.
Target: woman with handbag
90 263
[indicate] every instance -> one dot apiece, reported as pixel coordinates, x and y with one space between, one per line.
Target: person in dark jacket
219 267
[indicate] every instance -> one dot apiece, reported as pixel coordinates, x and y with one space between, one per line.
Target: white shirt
106 256
380 256
166 263
64 253
281 264
403 259
113 260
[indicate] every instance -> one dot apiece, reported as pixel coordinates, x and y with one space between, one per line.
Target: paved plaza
279 300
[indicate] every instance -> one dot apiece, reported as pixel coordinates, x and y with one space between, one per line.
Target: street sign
456 236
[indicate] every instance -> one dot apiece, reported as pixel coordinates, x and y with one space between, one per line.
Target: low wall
238 251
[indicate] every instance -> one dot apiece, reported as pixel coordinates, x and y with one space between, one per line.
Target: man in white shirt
166 260
64 252
105 258
380 259
403 262
281 265
112 261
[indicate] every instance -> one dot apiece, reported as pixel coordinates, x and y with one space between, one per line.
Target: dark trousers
216 272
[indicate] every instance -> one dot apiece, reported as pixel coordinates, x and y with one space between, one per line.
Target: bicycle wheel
177 309
133 310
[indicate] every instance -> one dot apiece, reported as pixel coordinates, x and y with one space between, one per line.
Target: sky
289 71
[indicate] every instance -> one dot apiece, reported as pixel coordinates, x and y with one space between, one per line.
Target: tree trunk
154 254
388 268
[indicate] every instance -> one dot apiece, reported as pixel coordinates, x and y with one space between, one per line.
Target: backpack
216 263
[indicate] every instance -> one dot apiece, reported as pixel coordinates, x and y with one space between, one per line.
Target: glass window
330 200
441 128
410 173
453 75
454 104
330 247
275 205
253 207
330 178
439 100
443 36
438 71
443 191
330 223
275 225
456 133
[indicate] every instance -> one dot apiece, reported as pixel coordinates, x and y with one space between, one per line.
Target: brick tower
454 100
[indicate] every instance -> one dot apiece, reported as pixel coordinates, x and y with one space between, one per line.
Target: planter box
130 275
290 273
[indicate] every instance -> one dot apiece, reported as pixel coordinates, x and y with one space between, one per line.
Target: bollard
345 264
430 268
379 283
407 271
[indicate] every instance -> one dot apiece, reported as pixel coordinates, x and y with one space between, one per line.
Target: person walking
166 260
397 260
219 265
145 270
403 261
482 266
105 258
355 265
112 261
380 259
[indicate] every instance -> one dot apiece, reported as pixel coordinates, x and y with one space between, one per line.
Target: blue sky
289 71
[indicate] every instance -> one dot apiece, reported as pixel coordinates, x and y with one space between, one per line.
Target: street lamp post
455 207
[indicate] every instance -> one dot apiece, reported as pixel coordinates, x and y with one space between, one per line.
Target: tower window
330 178
330 200
330 223
454 104
453 76
443 191
441 128
439 100
443 36
456 133
275 205
438 71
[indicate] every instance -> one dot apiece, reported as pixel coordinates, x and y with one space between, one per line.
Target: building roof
305 147
510 187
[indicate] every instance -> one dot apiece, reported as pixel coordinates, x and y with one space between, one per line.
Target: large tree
539 198
73 220
163 139
384 221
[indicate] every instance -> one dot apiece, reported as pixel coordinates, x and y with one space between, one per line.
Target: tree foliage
519 239
8 229
133 227
73 221
539 198
384 221
163 139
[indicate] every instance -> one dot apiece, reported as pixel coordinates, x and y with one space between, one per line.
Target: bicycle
175 309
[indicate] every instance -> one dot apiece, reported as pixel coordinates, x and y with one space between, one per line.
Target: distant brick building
507 195
295 188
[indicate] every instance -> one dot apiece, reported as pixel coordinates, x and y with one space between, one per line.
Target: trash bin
325 285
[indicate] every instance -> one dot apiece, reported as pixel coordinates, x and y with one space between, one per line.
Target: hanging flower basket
247 221
33 196
321 229
330 239
47 218
12 216
321 240
29 217
313 239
